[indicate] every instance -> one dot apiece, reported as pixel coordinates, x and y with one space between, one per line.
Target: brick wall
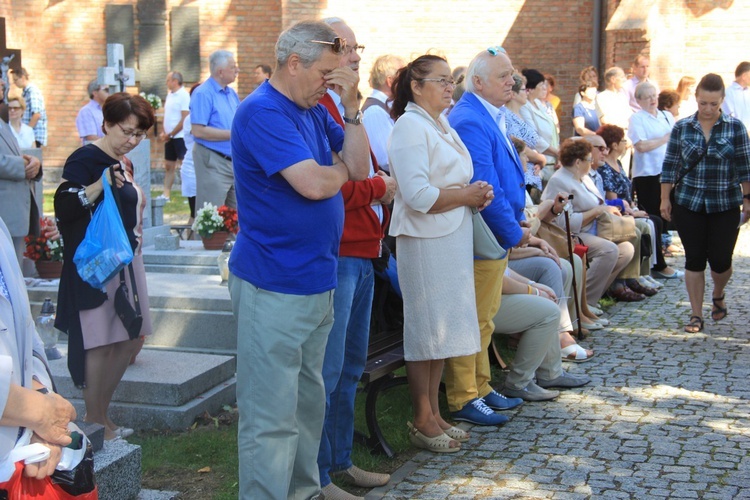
63 42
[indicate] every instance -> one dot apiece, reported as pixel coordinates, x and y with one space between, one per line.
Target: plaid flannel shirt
714 184
35 104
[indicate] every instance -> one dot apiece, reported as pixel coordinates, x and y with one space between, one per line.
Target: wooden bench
385 354
184 231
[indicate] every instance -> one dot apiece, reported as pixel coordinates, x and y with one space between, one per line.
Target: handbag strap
116 193
693 165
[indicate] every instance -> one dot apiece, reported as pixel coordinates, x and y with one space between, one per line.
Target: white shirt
177 102
643 127
737 103
25 136
378 124
613 108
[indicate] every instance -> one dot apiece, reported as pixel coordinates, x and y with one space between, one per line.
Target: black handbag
131 317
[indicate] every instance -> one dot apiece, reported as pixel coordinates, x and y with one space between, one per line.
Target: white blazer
423 160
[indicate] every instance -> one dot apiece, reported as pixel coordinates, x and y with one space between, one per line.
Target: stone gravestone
115 74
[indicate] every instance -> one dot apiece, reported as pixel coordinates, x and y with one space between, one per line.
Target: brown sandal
695 325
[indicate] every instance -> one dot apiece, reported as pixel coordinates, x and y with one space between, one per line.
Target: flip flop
574 353
437 444
457 434
721 312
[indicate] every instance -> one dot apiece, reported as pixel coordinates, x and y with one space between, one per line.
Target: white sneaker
162 197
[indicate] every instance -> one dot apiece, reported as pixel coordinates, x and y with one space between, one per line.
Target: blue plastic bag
105 249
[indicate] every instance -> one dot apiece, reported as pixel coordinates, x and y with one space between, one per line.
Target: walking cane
573 267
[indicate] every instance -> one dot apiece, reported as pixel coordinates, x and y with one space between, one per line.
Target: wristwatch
357 120
84 199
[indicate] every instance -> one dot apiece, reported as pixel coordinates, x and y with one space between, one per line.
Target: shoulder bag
486 245
615 228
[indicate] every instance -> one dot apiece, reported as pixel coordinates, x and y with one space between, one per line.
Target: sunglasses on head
338 45
496 50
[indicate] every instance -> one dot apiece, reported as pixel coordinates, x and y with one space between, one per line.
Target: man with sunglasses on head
90 118
480 122
212 108
366 215
283 270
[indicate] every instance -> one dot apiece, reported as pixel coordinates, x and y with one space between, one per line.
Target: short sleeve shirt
177 102
212 106
287 243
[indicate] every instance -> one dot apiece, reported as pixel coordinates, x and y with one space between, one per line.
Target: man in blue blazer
481 125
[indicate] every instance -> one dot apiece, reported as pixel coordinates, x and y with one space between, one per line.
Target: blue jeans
345 358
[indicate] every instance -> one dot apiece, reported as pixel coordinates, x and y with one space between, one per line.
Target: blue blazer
495 161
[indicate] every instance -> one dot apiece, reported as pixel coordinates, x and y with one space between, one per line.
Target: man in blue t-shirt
290 160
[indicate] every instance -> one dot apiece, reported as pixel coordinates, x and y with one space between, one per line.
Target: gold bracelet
530 290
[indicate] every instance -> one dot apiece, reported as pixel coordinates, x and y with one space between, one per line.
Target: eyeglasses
588 160
13 108
354 48
132 133
104 89
496 50
602 148
443 82
338 45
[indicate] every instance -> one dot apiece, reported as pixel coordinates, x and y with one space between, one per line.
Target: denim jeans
345 358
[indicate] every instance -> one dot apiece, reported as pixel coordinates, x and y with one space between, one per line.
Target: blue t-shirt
212 106
590 118
287 243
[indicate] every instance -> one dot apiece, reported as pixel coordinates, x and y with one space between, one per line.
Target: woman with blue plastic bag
99 348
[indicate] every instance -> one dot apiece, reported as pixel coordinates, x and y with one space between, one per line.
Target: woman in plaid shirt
708 159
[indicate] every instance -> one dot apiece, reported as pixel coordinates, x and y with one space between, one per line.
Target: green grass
176 208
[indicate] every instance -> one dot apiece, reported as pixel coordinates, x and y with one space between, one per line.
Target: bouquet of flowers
43 248
153 99
208 220
229 215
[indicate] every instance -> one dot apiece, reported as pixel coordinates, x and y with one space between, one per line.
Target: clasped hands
479 194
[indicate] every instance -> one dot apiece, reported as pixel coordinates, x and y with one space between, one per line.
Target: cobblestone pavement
666 416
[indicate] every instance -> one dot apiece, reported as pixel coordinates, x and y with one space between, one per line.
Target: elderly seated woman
607 259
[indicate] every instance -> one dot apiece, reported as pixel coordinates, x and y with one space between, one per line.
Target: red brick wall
63 41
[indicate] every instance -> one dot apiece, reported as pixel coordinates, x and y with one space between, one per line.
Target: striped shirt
714 184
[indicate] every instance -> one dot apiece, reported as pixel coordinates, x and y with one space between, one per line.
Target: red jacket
363 232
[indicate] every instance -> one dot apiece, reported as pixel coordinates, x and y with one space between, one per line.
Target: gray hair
613 72
518 80
477 67
298 40
333 20
92 87
218 60
176 75
642 88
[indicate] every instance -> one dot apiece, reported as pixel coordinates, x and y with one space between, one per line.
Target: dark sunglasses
338 45
602 148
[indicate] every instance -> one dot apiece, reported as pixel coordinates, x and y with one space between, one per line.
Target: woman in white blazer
432 225
538 113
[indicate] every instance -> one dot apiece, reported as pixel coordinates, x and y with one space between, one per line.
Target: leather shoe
638 288
625 294
362 478
497 401
478 413
531 392
565 381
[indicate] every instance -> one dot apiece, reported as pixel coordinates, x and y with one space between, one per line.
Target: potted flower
46 253
215 224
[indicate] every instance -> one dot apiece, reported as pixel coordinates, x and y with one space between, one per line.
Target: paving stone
666 416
